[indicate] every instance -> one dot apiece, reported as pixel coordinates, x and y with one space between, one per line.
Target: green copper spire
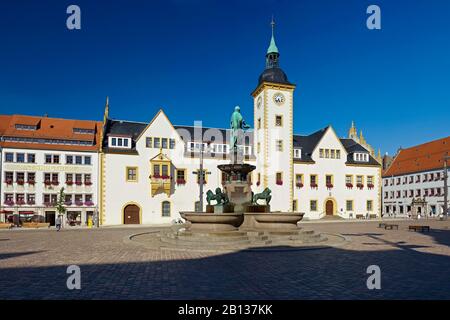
272 47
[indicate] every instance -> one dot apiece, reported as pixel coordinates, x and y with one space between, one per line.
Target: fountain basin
272 220
212 221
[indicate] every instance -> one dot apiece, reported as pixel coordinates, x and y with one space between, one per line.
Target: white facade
128 175
399 192
25 191
348 200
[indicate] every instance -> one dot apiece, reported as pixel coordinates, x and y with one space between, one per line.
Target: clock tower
273 133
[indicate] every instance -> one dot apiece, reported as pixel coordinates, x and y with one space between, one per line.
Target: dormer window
83 131
361 157
25 127
120 142
297 153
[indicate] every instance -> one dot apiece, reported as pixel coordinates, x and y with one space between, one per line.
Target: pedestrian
58 223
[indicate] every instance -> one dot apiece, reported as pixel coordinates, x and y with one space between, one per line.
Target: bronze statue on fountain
237 206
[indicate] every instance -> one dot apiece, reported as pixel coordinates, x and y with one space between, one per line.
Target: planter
20 182
212 221
181 181
279 182
35 225
9 203
299 185
89 203
31 182
55 183
349 185
69 183
329 186
5 225
313 185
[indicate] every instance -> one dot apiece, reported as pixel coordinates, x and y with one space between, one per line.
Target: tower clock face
279 98
259 102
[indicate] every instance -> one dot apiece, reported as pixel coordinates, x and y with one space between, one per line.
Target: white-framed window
119 142
361 157
247 150
298 153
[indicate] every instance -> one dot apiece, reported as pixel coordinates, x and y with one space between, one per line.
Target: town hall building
149 172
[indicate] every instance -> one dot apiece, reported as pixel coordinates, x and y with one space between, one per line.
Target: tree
60 207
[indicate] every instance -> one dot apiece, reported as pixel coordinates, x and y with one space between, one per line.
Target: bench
419 228
359 216
381 225
372 216
391 226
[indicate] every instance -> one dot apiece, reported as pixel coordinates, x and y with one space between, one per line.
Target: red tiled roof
427 156
49 128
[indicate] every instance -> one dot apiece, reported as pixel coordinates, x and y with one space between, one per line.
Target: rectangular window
299 178
148 142
165 170
181 175
20 157
9 157
359 179
31 198
320 153
156 143
69 159
370 180
31 158
69 178
164 143
327 153
31 177
20 177
313 180
48 158
333 155
87 179
338 154
171 143
294 205
259 123
258 147
119 142
348 179
131 174
78 179
156 171
278 121
79 160
55 158
349 205
313 205
297 153
370 205
9 177
114 142
87 160
125 142
279 178
279 145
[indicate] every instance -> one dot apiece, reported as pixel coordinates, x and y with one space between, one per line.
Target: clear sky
197 59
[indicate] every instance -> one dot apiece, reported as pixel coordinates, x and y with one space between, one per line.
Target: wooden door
329 208
131 214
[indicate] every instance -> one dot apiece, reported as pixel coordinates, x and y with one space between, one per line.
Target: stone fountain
236 206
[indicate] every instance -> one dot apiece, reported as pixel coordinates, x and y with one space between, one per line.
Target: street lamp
446 158
202 174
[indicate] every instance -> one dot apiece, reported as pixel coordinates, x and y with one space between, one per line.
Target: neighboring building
150 171
414 182
40 155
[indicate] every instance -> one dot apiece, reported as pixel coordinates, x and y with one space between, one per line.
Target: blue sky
198 59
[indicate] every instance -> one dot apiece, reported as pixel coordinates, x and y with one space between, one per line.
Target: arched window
166 209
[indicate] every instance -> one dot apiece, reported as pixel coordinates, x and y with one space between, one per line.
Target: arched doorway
131 214
329 208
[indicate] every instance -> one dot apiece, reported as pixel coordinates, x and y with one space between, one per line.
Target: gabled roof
309 143
48 129
423 157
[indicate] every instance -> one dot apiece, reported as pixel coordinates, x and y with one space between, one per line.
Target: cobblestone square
413 265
